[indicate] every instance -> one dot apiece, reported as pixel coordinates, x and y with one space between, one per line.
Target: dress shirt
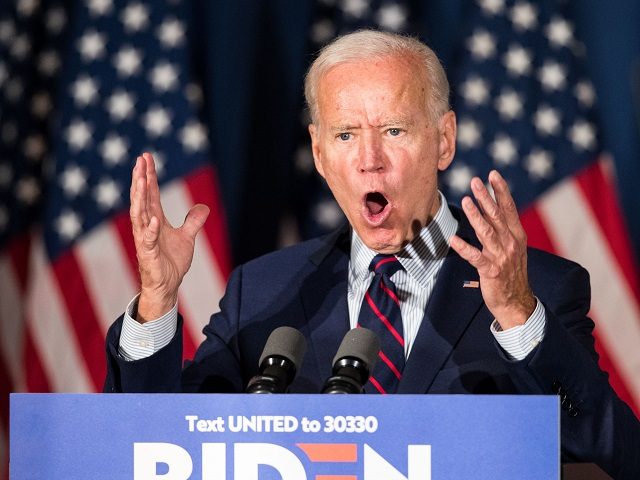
422 260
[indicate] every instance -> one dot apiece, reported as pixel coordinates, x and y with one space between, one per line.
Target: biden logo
256 461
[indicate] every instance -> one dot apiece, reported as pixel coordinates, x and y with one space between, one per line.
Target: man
381 130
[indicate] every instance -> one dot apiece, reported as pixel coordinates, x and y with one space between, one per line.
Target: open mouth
376 208
375 202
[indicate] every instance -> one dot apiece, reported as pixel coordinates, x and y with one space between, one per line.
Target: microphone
354 361
279 362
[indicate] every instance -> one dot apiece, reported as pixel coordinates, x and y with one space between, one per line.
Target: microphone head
285 342
360 343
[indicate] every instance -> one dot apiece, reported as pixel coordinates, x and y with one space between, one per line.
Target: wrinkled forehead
390 82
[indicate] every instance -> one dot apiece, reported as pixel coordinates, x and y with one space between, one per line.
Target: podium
283 437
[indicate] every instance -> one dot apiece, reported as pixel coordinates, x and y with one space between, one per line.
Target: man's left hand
502 262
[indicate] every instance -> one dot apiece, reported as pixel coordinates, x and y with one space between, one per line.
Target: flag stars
193 93
583 135
135 17
503 150
34 147
163 77
26 8
509 105
482 45
28 190
92 45
328 214
157 121
120 105
41 104
193 137
84 91
585 93
13 90
475 91
73 181
468 134
539 164
55 20
355 8
517 60
20 47
68 225
7 31
107 194
392 17
559 32
552 76
459 178
322 31
114 149
524 16
6 175
492 7
99 8
171 33
128 61
547 120
48 63
78 135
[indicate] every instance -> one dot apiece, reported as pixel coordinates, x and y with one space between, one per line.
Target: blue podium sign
283 437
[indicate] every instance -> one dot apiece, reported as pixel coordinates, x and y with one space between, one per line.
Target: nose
371 158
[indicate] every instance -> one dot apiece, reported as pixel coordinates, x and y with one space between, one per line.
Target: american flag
83 91
87 85
526 107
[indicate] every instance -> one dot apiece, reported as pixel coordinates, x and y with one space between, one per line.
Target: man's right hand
164 252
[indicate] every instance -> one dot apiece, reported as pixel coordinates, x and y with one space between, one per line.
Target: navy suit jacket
305 287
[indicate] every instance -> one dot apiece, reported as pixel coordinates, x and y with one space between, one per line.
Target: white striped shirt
422 260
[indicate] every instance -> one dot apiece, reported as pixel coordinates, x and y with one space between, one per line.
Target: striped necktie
380 312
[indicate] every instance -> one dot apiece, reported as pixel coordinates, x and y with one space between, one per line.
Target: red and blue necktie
380 312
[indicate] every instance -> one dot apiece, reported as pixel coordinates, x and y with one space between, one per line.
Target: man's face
379 150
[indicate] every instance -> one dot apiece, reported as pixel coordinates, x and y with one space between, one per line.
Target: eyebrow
394 122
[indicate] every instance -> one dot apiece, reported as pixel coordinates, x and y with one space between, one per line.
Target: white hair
372 44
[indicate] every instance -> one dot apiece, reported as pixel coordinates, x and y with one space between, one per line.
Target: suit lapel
449 311
324 298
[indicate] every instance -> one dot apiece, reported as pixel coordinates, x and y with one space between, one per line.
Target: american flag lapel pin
471 284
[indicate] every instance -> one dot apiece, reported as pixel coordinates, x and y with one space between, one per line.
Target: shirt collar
422 256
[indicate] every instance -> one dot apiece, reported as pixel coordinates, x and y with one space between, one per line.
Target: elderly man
381 130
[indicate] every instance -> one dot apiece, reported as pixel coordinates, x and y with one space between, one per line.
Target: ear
315 148
447 134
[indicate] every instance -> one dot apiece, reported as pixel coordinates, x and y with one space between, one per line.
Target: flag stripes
105 270
578 233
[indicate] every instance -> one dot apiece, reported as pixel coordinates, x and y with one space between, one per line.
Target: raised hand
164 252
502 262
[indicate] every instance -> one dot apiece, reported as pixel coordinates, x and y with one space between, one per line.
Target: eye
344 136
394 132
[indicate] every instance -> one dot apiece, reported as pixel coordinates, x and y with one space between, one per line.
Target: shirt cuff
518 342
141 340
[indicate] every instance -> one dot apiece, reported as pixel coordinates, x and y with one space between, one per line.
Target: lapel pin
471 284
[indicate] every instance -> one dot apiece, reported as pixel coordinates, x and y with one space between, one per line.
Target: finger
153 189
151 233
195 219
492 213
471 254
485 231
505 202
137 210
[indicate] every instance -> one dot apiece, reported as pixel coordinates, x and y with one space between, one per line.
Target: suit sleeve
215 368
596 426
